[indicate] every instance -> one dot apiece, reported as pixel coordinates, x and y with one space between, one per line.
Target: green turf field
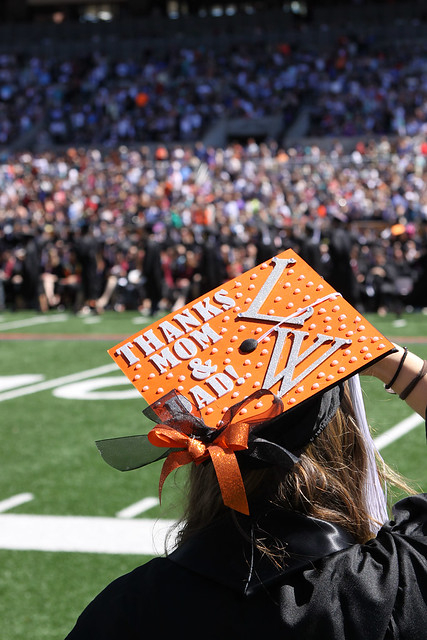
49 456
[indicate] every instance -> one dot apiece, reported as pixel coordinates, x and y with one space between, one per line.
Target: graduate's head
247 381
328 481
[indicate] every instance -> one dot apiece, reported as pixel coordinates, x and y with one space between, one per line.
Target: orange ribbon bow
233 436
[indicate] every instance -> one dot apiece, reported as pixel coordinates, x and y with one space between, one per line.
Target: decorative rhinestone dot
229 350
181 378
138 366
237 284
277 299
239 294
214 350
236 310
289 305
264 352
321 311
235 394
223 330
301 277
137 377
362 339
233 339
241 328
160 390
342 317
334 363
297 291
169 376
368 356
328 328
364 349
300 390
319 287
253 276
347 352
145 388
315 385
341 370
248 375
309 284
312 326
248 300
259 364
227 361
271 312
349 333
290 272
264 266
361 327
357 319
291 401
259 405
353 359
243 411
209 410
256 384
258 330
287 285
375 339
251 287
381 346
327 319
330 377
225 409
152 375
342 327
180 388
247 363
265 340
336 308
306 298
320 374
240 381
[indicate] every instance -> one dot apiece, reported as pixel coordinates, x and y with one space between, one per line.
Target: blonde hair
328 483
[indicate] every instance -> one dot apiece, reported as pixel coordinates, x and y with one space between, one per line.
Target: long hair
327 483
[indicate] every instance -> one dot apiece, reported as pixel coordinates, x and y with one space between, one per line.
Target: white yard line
15 501
137 508
398 431
30 322
84 534
56 382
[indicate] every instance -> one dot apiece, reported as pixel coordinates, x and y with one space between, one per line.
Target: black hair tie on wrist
398 370
411 386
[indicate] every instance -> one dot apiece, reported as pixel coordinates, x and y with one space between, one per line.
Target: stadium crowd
140 229
355 86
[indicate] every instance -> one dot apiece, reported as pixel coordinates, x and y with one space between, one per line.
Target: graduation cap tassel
375 496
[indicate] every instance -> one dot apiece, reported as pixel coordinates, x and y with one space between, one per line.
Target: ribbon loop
194 441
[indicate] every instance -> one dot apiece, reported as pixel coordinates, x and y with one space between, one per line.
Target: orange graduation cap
253 348
278 326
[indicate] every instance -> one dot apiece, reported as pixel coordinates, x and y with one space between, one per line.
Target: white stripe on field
84 534
398 431
57 382
15 501
30 322
138 507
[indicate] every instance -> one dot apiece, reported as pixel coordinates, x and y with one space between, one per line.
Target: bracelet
411 386
398 370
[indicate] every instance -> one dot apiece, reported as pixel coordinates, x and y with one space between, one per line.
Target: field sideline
65 514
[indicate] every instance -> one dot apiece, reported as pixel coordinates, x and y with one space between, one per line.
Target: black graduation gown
215 587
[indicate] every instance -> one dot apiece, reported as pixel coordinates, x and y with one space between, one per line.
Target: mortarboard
263 353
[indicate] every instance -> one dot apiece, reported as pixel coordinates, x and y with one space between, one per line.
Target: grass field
71 396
